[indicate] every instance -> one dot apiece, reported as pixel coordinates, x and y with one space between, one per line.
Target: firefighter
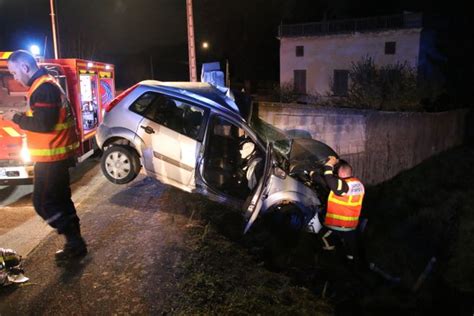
52 140
343 207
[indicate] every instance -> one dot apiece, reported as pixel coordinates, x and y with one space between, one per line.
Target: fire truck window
12 93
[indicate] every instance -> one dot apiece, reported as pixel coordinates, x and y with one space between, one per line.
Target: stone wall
378 144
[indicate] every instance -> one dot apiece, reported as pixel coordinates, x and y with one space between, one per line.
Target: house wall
323 54
378 144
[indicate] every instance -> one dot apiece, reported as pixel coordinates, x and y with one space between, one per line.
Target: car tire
287 218
120 164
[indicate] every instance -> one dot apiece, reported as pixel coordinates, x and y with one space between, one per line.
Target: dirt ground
13 216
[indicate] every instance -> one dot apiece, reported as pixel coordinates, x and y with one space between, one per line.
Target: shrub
285 92
389 87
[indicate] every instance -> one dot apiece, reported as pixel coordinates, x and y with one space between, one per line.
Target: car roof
201 91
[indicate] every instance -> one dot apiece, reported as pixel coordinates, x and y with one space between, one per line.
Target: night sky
135 34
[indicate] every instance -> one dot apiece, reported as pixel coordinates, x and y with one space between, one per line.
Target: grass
220 277
424 212
427 212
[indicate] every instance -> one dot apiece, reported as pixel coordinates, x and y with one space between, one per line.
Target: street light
205 45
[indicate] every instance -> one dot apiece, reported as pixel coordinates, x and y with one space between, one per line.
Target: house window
299 80
390 48
299 51
341 82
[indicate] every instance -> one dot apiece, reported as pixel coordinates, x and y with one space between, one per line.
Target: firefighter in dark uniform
343 207
52 140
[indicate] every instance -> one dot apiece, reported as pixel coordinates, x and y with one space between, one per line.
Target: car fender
118 135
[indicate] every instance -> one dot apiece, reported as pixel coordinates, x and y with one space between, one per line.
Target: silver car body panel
105 133
169 155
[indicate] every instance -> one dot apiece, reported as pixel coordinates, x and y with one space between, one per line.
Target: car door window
180 116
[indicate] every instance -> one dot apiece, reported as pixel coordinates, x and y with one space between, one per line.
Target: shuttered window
300 81
390 48
341 82
299 51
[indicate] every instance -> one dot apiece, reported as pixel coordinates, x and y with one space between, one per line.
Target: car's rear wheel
120 164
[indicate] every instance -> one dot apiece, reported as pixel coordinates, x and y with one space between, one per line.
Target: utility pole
227 73
152 72
191 41
53 26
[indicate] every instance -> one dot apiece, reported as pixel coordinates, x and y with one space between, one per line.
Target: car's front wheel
120 164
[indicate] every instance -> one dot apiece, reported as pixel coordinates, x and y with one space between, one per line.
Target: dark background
138 35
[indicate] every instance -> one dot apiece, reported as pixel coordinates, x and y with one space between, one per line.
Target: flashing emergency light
35 50
90 65
107 67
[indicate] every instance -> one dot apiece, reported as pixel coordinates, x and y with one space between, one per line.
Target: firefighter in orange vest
52 140
343 207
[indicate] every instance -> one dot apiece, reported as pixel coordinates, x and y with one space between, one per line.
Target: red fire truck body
89 85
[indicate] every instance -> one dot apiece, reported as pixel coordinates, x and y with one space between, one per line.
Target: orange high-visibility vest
62 141
343 211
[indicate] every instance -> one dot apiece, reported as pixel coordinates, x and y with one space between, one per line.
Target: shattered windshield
296 150
268 133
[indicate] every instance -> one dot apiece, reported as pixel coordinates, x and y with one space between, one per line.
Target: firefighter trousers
52 195
347 240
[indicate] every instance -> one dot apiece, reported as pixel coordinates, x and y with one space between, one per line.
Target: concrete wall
379 145
324 54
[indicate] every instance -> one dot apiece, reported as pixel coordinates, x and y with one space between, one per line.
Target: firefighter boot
75 247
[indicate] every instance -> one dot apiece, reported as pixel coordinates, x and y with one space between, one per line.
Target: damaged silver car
200 139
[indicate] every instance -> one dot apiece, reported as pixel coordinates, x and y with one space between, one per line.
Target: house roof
370 24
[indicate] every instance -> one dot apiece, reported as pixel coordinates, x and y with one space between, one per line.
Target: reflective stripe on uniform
328 172
327 246
339 184
54 151
66 125
53 218
348 200
342 217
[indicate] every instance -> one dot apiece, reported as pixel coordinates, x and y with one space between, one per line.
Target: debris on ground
11 271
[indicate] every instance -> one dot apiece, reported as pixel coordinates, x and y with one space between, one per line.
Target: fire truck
90 86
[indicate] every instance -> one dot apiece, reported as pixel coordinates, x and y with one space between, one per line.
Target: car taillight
119 98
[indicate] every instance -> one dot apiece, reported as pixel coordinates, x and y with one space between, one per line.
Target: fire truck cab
90 86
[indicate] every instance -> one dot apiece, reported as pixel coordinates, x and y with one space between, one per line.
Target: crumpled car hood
310 150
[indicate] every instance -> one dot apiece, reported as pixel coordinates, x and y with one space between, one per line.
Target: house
316 57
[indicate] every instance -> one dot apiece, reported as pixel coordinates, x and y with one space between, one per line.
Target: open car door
253 207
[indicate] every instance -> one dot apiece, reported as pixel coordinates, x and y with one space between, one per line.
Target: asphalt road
134 234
